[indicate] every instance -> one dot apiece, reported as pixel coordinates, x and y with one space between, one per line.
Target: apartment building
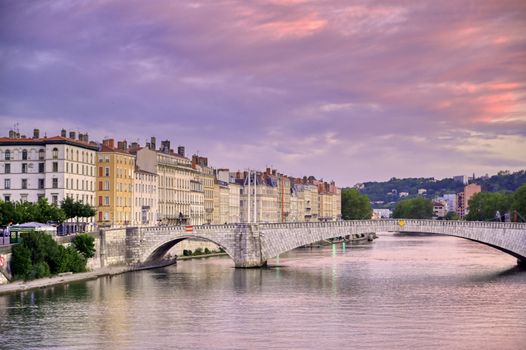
115 180
175 174
145 198
51 167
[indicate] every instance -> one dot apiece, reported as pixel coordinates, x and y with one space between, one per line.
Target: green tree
451 215
77 209
483 206
19 212
518 203
84 244
355 206
414 208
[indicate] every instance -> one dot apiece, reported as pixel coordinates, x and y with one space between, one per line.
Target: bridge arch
158 250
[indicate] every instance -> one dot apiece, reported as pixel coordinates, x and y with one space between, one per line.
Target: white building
54 167
145 198
234 214
175 174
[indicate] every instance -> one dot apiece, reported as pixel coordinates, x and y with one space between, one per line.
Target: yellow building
115 174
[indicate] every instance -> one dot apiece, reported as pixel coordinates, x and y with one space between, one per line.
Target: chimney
81 137
165 146
273 172
122 145
148 145
108 143
72 135
180 151
63 133
36 133
12 134
86 137
152 143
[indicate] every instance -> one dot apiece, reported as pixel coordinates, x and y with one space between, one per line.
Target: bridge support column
133 246
248 247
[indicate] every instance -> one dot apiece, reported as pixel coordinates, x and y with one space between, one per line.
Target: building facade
175 174
145 199
54 168
115 179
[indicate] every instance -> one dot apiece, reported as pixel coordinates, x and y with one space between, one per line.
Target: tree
483 206
518 203
23 211
451 215
85 245
76 209
355 206
414 208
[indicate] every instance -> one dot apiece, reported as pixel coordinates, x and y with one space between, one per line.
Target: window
7 184
24 184
40 196
100 185
106 216
106 185
55 167
41 154
106 171
8 168
100 171
24 154
106 200
54 199
55 153
7 154
7 198
24 168
40 184
23 197
41 167
54 183
100 200
100 216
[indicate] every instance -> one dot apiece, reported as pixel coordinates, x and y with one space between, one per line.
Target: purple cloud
345 91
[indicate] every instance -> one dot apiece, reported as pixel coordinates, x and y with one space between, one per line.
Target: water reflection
399 292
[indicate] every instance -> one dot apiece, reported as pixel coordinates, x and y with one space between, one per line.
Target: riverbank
20 286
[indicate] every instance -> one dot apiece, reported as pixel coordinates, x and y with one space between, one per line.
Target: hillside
386 194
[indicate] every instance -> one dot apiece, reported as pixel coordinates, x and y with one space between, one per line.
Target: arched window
77 157
55 153
41 154
24 154
7 154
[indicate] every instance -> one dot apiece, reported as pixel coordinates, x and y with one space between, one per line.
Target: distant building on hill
464 197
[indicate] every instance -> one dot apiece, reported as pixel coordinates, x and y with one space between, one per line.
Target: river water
399 292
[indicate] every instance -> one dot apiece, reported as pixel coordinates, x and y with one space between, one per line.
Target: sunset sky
344 90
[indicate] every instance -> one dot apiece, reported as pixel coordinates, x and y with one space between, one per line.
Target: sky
349 91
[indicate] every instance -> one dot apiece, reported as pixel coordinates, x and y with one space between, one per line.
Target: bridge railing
383 223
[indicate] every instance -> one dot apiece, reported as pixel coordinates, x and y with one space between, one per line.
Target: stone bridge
251 245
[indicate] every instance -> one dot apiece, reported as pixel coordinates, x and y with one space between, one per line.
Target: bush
198 251
39 256
187 252
207 251
21 261
39 270
85 244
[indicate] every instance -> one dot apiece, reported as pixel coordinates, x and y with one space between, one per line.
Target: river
399 292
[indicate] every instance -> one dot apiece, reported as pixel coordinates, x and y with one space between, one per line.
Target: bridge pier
248 247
